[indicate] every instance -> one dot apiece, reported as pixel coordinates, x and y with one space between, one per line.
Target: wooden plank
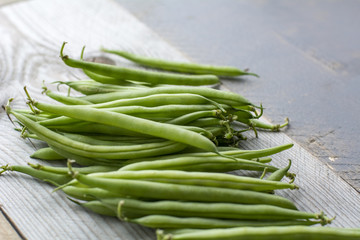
7 230
32 33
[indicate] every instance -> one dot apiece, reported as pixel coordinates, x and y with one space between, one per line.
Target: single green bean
85 161
181 67
47 154
65 170
66 99
163 221
139 75
220 96
133 208
279 174
187 118
106 80
160 99
53 178
269 233
238 153
199 179
88 193
203 164
97 207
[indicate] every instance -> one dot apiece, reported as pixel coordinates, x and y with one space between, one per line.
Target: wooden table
31 35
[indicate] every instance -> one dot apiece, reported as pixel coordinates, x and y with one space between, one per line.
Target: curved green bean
181 67
162 130
219 96
139 75
47 154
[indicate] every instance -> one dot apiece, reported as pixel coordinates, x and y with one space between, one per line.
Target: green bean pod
187 118
65 170
219 96
199 179
162 130
87 87
96 206
66 99
268 233
139 75
198 164
163 221
132 208
88 193
279 174
159 100
238 153
106 80
182 67
168 191
54 178
47 154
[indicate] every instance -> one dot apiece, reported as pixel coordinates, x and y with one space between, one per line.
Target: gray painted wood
32 33
306 52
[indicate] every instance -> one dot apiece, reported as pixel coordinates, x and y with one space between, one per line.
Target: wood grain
32 33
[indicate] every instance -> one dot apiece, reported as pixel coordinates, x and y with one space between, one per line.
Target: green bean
171 110
85 161
203 164
182 67
168 191
198 179
187 118
238 153
65 170
139 75
132 208
112 138
114 142
269 233
97 207
205 122
217 95
53 178
165 111
158 100
96 128
32 116
163 221
88 193
89 87
76 147
47 154
279 174
66 99
162 130
259 124
106 80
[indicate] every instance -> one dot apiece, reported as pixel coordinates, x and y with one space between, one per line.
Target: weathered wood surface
32 33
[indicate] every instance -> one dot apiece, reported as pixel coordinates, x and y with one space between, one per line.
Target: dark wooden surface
306 52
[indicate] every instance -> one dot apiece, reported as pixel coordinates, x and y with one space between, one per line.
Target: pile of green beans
143 151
